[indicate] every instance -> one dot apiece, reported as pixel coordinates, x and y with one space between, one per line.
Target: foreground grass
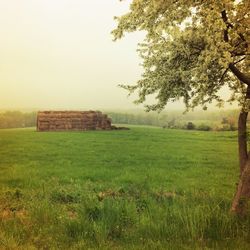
146 188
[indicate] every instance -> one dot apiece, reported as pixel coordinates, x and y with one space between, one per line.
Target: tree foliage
191 50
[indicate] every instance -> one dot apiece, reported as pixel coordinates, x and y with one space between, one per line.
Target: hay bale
72 120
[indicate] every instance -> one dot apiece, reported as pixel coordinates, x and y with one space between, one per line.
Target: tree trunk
242 140
241 200
242 196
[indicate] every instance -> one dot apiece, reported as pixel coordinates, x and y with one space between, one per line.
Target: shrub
190 126
203 127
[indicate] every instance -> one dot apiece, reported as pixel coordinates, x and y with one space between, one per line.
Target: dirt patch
7 214
72 214
121 193
109 193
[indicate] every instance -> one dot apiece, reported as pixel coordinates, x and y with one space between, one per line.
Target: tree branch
241 76
239 60
229 25
225 72
241 54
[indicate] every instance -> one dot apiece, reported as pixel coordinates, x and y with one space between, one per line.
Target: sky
59 54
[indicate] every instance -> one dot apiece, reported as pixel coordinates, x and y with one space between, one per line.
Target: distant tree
17 119
229 122
190 126
224 120
171 123
192 49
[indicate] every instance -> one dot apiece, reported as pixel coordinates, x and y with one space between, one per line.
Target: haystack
72 120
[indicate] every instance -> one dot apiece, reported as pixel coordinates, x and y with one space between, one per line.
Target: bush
229 124
190 126
204 127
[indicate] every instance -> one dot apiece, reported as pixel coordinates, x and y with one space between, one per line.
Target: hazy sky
59 54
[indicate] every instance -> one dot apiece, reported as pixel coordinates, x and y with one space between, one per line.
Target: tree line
17 119
199 120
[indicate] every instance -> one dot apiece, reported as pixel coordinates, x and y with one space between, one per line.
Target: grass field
145 188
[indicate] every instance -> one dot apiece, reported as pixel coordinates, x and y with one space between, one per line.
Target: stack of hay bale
72 120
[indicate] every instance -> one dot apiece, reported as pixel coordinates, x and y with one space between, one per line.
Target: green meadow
143 188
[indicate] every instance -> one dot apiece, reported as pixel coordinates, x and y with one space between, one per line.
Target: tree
191 50
228 123
190 126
